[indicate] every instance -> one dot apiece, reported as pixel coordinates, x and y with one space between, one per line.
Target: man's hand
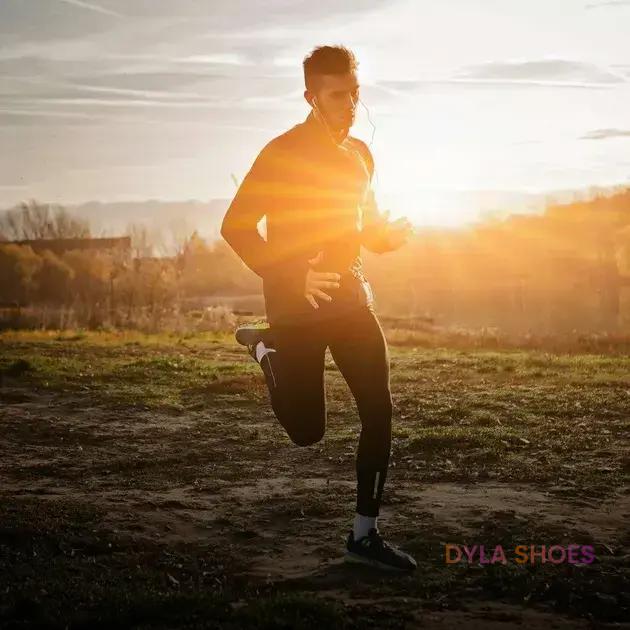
395 233
318 280
398 232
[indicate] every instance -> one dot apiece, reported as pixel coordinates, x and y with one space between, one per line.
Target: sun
429 207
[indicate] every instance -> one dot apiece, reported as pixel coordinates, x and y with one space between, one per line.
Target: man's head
330 76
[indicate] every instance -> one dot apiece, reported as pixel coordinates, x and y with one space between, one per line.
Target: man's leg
359 349
292 360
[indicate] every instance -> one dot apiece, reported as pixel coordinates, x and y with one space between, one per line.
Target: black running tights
295 377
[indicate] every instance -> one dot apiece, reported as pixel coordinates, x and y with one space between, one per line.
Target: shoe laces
375 540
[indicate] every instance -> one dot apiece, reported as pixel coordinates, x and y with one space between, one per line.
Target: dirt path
284 522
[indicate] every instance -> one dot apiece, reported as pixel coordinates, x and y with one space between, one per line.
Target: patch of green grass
115 376
450 439
114 338
506 414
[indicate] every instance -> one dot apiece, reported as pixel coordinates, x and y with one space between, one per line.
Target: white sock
261 350
362 525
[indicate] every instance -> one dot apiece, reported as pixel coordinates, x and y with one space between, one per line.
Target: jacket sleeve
374 231
255 196
373 224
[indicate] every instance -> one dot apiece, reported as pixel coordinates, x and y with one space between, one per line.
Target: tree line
563 270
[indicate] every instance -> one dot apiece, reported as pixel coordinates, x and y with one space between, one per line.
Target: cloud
45 21
623 68
546 71
93 7
243 14
402 87
608 3
38 88
13 186
13 118
207 47
50 113
145 93
603 134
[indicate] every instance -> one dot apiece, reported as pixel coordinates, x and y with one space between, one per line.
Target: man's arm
374 224
256 194
374 232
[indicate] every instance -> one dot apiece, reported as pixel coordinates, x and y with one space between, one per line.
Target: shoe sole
251 336
244 336
247 336
357 559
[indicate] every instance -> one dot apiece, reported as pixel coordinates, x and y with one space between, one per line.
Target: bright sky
138 99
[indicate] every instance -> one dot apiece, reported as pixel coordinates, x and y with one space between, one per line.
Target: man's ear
308 97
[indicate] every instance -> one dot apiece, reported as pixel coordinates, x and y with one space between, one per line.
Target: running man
313 185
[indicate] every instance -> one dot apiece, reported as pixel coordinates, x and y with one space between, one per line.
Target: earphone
367 111
317 110
321 116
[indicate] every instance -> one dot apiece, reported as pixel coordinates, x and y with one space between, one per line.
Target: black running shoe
250 335
376 552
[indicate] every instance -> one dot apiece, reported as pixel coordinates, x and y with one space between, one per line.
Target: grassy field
144 482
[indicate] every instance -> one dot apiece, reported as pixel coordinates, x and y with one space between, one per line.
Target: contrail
93 7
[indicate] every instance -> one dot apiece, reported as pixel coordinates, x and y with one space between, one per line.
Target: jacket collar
317 130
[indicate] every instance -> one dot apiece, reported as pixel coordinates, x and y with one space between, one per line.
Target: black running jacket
316 196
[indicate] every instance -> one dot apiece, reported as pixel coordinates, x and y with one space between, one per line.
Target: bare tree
144 241
33 220
179 234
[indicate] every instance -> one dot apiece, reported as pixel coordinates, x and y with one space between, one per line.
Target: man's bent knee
306 438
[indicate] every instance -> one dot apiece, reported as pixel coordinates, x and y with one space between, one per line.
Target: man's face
337 97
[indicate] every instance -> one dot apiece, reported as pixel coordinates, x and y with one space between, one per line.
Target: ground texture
144 482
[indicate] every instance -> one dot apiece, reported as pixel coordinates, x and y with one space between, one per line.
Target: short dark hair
327 60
